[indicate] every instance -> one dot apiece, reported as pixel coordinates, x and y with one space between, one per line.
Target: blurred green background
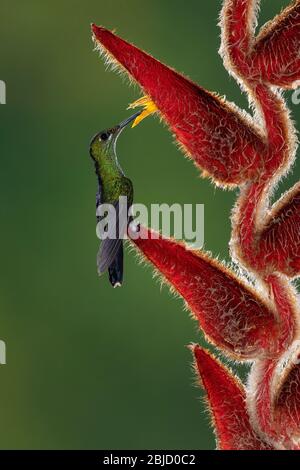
87 366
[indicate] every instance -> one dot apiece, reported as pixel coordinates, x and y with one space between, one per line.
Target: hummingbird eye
104 136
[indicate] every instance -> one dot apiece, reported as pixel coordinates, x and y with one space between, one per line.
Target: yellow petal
147 104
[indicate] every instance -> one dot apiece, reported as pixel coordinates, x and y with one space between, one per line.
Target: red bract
275 54
252 152
287 401
226 402
237 22
232 315
279 247
219 138
274 398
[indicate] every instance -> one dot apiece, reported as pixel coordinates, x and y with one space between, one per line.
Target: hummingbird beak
129 120
123 124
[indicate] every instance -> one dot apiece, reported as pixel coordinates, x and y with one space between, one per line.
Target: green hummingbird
112 185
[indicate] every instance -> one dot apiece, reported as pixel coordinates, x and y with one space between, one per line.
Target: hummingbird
112 185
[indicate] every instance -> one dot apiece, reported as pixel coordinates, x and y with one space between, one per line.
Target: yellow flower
147 104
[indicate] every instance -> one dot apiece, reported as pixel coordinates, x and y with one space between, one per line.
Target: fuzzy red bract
274 398
287 405
216 135
279 247
227 404
253 152
237 28
231 314
275 56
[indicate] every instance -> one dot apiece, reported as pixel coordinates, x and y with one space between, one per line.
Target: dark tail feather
115 270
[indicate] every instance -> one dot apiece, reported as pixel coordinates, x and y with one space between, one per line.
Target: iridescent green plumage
113 181
112 184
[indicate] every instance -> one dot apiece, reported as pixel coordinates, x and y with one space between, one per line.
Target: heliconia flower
287 399
221 139
231 314
279 246
274 398
286 301
149 108
258 318
265 377
275 57
226 402
238 21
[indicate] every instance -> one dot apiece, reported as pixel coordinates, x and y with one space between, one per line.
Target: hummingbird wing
99 195
111 248
110 245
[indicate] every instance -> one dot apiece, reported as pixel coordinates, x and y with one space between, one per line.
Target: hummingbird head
104 142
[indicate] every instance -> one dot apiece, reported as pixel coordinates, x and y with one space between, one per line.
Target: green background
87 366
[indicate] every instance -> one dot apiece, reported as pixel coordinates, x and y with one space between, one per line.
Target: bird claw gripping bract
235 149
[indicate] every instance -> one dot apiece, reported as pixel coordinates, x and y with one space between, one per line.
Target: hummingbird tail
115 270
